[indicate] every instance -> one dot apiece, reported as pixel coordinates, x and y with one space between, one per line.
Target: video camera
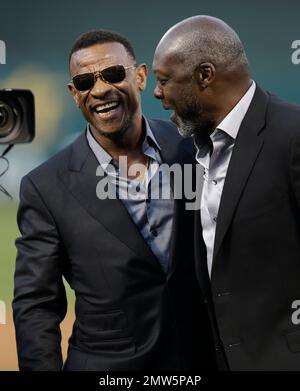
17 120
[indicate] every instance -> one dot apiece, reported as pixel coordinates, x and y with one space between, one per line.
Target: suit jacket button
154 232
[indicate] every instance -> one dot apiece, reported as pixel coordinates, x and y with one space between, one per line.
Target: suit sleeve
295 167
39 303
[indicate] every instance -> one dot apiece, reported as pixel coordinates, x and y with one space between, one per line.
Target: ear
74 93
205 74
141 76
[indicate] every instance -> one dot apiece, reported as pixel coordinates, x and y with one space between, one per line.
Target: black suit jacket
256 264
130 315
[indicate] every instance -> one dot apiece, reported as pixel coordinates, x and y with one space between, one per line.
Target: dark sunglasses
111 75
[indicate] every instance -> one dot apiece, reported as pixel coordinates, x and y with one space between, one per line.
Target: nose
100 88
158 92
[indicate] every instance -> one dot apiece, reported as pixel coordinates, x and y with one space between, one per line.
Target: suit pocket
293 340
109 321
103 346
105 333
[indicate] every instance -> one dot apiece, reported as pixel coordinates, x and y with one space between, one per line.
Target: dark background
39 34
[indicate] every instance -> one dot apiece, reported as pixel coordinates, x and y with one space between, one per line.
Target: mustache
106 98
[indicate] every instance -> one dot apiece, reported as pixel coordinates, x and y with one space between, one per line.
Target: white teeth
106 106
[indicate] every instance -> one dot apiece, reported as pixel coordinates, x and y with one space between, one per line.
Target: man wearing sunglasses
129 260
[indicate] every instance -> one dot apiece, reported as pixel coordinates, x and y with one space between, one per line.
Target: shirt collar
150 146
230 125
232 122
150 138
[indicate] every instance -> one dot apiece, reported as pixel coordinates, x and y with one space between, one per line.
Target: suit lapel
200 253
81 181
178 234
178 150
246 149
199 244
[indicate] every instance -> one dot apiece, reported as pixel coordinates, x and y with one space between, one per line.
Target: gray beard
185 128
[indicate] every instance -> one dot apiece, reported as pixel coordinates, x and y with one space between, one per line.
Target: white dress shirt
215 164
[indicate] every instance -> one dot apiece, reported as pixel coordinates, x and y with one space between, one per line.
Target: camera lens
7 119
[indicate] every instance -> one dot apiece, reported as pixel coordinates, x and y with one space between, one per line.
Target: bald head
201 39
202 72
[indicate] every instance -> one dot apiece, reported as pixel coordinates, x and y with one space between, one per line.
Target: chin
114 134
185 129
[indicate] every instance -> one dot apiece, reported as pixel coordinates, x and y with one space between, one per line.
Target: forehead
99 56
167 63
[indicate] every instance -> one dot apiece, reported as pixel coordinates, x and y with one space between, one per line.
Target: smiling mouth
106 108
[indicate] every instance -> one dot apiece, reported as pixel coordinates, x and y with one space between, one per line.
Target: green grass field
8 233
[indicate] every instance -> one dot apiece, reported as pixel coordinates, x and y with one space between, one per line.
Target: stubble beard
186 128
191 121
117 135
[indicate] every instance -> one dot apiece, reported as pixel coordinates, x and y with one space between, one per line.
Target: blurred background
38 37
